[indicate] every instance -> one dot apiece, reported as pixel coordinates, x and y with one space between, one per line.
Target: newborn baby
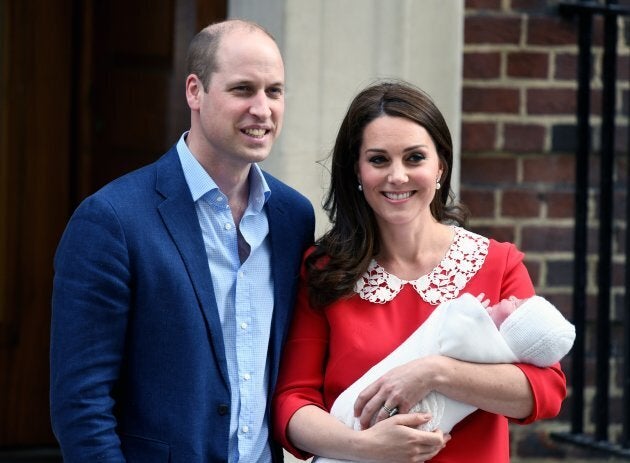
467 329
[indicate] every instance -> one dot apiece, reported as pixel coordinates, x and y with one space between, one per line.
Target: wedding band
390 411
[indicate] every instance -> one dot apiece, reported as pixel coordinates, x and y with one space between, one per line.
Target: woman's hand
397 440
400 388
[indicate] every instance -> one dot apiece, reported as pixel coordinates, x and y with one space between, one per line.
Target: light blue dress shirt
244 296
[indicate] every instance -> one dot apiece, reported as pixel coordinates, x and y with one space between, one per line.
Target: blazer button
223 409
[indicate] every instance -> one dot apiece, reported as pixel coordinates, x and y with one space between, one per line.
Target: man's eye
275 92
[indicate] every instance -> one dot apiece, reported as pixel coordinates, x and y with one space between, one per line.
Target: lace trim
463 260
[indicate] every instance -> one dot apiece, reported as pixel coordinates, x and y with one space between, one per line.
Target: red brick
618 379
496 232
560 273
590 367
482 65
566 66
550 31
483 4
520 203
484 171
620 239
551 101
621 139
563 302
533 268
565 410
547 239
538 446
592 239
480 202
492 29
621 171
530 6
479 136
549 169
623 67
528 65
619 204
596 102
618 274
490 100
594 169
560 205
524 137
619 308
598 30
591 315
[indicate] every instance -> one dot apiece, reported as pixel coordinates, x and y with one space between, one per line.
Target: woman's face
398 168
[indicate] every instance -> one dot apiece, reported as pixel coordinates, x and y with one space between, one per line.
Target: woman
396 250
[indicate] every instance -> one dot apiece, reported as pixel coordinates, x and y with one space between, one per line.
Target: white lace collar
463 259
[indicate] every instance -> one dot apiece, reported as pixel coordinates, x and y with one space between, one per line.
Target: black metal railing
586 12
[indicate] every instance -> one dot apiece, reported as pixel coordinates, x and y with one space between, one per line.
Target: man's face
242 111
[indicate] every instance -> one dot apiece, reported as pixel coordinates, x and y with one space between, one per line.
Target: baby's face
508 305
500 311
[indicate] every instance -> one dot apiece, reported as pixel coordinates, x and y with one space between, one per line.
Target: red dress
327 350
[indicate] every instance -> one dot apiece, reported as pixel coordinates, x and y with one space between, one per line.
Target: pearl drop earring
437 185
360 187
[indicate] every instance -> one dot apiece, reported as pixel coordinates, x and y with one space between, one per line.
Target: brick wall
518 166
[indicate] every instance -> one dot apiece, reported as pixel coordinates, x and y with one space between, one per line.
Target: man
174 284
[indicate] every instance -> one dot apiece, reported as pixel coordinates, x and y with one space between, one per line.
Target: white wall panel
334 48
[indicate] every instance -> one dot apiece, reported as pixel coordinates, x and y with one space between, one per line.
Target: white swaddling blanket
536 333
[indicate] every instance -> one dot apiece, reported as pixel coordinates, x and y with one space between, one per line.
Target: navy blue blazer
138 369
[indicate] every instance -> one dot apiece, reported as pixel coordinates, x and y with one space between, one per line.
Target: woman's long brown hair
343 253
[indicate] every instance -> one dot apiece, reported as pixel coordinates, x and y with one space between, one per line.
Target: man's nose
260 105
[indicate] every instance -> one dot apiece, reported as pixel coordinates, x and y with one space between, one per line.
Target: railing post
585 34
609 75
611 11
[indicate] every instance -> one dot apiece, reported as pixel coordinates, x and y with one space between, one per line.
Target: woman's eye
416 157
377 160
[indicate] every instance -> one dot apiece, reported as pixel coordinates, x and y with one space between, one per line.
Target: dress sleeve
549 387
301 376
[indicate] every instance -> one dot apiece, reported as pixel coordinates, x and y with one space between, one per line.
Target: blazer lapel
180 217
279 230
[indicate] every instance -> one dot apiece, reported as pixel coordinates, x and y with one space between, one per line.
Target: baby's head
500 311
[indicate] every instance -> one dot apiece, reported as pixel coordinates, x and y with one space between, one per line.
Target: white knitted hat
538 333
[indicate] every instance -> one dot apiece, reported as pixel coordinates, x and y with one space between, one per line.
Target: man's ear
194 89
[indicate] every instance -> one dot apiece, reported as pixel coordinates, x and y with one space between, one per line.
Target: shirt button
247 377
245 429
223 409
228 226
243 325
219 198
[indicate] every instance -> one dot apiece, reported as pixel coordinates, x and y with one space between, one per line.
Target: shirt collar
200 182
